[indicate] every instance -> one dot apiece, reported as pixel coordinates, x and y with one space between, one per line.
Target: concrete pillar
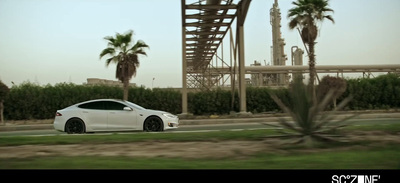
242 79
241 16
184 73
184 64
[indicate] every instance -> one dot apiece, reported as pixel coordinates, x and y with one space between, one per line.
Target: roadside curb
261 119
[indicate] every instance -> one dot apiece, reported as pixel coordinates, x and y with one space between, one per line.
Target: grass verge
387 157
137 137
103 138
370 156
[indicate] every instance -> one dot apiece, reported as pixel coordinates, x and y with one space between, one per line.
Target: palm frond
325 9
280 103
316 10
289 126
110 40
138 47
329 137
331 120
113 42
344 102
109 60
107 51
320 106
329 18
328 129
127 37
331 114
140 52
284 107
293 23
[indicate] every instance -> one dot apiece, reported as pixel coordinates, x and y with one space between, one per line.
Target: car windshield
135 106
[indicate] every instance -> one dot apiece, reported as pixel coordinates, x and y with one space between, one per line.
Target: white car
112 115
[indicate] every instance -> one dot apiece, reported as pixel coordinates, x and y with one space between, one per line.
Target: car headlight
169 115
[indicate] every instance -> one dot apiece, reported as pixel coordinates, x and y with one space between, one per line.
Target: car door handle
85 112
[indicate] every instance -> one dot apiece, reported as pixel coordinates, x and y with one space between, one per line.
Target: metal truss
206 23
204 26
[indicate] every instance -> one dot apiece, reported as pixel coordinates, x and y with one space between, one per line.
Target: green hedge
382 92
31 101
211 102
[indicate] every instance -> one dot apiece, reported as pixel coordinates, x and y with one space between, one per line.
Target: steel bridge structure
205 24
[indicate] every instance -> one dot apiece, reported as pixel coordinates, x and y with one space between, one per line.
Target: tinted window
115 106
135 105
93 105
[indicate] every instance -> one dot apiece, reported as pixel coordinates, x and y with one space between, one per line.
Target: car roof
97 100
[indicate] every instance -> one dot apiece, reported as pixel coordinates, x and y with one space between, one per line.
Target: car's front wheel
153 124
74 126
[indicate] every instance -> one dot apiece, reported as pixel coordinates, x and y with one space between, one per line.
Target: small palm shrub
311 123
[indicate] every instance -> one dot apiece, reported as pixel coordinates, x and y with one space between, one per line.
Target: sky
55 41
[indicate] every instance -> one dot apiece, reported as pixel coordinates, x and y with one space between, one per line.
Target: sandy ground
207 149
138 149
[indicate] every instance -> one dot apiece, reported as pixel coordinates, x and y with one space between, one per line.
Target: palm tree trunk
126 88
334 103
1 113
312 70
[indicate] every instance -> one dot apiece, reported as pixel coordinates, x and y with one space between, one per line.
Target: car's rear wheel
153 124
75 126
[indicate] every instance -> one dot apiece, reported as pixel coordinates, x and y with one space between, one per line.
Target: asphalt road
199 128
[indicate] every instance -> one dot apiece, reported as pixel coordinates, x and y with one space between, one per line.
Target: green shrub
211 102
382 92
31 101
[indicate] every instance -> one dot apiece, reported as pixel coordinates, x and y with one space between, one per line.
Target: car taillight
58 114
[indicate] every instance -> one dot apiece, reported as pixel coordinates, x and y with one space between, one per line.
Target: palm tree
4 91
125 54
304 17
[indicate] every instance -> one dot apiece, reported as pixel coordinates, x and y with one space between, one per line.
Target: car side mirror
128 109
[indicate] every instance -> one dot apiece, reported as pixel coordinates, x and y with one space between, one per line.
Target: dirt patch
139 149
29 122
208 149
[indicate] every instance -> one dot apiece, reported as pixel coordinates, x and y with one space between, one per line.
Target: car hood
156 111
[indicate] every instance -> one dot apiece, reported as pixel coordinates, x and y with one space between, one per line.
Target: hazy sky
53 41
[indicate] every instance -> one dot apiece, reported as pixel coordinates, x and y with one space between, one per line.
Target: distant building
97 81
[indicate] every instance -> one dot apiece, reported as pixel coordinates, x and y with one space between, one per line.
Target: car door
120 119
95 115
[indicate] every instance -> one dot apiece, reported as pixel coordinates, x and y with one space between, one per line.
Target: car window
99 105
135 106
114 106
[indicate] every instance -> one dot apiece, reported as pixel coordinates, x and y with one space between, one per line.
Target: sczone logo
355 178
